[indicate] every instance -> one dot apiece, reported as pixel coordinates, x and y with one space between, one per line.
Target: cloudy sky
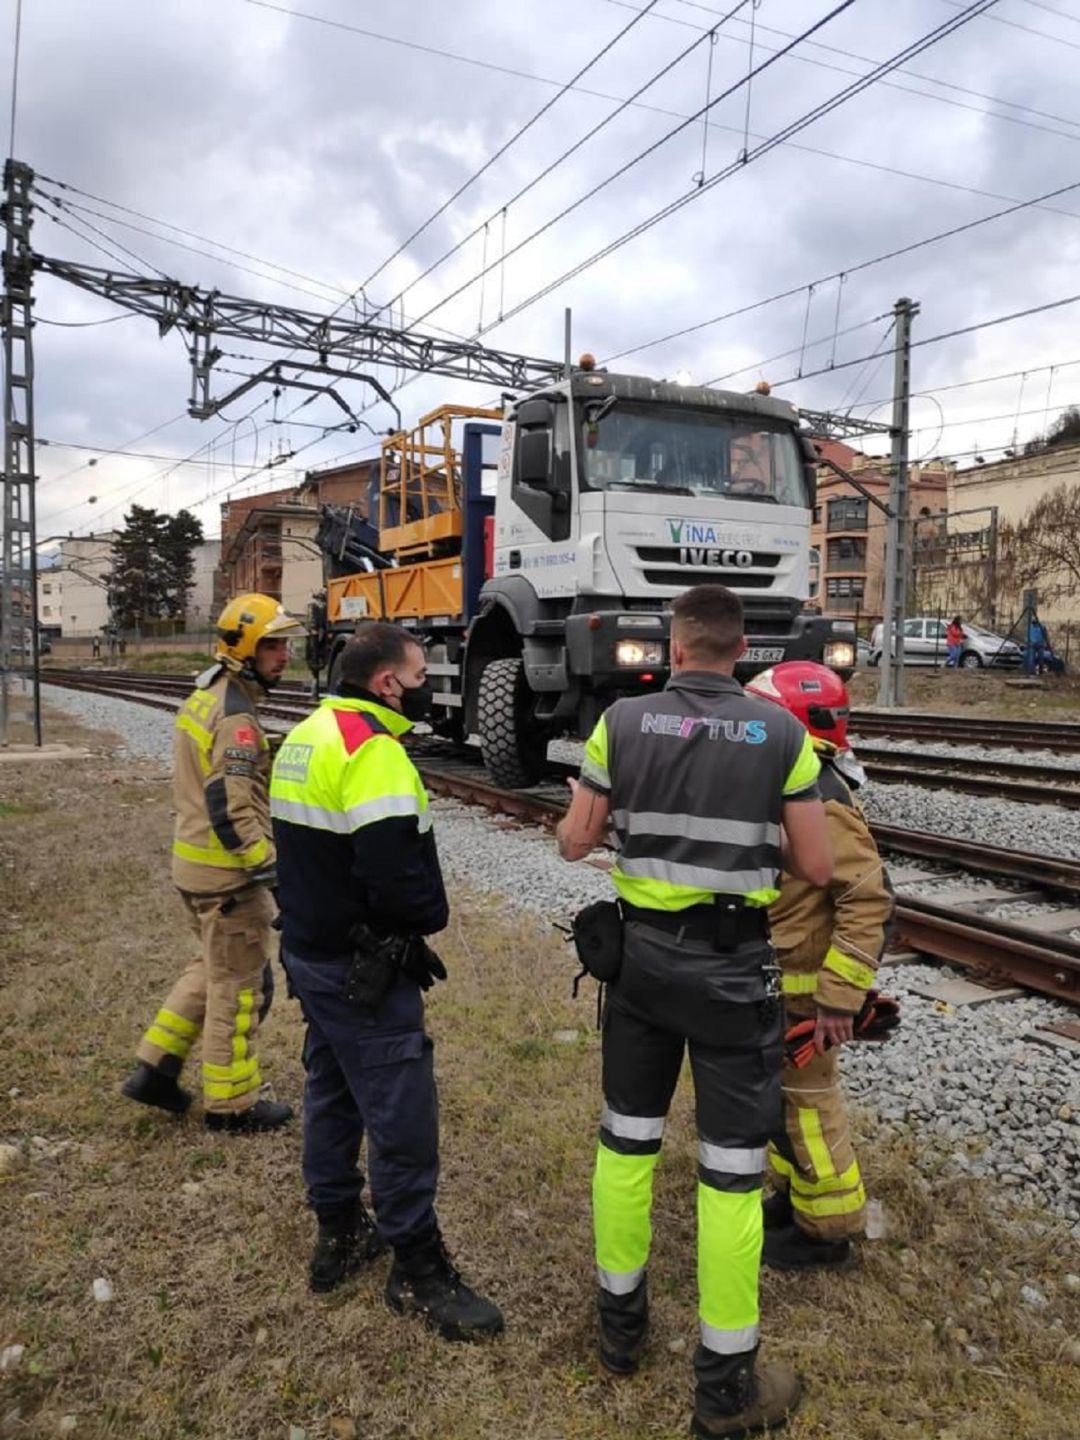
294 147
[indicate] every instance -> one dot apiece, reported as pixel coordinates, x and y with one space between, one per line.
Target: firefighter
703 788
223 866
360 886
829 940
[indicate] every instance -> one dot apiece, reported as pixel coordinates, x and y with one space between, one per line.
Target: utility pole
18 565
892 689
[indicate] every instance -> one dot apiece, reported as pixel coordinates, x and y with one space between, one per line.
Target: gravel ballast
982 1099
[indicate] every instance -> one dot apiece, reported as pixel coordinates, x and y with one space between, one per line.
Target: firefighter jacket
697 777
352 830
829 940
220 789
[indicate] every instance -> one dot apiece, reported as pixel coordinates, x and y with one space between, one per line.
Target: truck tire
513 744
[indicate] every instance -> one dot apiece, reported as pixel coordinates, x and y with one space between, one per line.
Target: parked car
862 652
924 644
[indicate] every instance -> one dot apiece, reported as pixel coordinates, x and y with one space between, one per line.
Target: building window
46 589
46 609
817 514
846 554
847 587
847 512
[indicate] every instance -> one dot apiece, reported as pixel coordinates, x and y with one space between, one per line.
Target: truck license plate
764 654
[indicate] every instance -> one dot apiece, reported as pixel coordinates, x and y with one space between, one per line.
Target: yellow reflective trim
799 984
779 1164
814 1140
164 1040
665 895
204 739
853 971
243 1023
806 769
830 1204
215 1090
832 1185
177 1023
245 1003
221 858
233 1073
239 1048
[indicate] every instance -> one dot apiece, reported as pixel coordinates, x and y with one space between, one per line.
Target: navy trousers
368 1073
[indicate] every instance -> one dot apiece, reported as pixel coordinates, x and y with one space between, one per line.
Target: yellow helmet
245 621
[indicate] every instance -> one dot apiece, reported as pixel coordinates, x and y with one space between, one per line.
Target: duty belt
726 923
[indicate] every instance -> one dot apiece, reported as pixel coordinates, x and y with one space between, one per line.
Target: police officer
705 789
359 885
223 865
829 942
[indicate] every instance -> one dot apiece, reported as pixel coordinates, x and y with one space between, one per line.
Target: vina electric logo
702 544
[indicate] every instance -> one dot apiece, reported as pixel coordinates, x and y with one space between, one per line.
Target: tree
153 565
1065 429
1042 550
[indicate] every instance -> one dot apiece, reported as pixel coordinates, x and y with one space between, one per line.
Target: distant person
1039 646
95 649
223 866
954 642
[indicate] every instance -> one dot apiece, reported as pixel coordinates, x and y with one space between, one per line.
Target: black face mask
417 700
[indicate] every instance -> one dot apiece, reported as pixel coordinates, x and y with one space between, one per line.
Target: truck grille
685 564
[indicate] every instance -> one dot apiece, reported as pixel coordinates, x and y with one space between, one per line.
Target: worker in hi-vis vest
709 793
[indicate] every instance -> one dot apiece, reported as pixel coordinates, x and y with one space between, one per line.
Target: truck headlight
638 654
839 655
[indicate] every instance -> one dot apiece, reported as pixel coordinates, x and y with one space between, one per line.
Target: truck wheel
514 745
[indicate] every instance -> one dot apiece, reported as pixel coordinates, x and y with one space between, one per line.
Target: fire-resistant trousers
670 997
815 1160
368 1072
218 995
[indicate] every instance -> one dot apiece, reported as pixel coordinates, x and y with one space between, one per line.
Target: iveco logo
700 555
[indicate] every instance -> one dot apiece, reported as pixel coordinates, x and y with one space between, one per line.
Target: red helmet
814 694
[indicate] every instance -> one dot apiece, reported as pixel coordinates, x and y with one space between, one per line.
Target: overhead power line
1027 29
933 37
932 339
567 153
843 274
513 140
970 384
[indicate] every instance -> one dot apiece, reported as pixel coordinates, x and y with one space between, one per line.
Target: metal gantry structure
334 347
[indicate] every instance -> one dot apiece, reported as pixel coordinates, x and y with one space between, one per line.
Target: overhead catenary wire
16 49
512 141
824 46
841 97
559 160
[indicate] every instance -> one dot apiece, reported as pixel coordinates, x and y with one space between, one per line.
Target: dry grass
212 1332
977 693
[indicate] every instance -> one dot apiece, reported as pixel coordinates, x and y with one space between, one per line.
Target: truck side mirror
534 458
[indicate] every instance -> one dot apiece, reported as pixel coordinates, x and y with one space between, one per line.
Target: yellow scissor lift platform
420 527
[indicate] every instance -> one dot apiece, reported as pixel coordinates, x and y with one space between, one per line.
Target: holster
598 938
375 965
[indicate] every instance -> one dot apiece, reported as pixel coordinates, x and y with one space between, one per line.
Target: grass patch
212 1332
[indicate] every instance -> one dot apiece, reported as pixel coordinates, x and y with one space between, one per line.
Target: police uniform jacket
221 781
353 830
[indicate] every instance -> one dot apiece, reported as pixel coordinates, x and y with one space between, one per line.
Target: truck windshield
692 452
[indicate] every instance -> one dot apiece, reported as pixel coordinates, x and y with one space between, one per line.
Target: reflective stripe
232 1073
164 1040
177 1023
805 771
590 770
632 1127
782 1167
317 817
223 859
220 1090
853 971
731 1159
830 1186
204 740
241 1076
846 1204
620 1284
814 1140
693 827
729 1342
799 984
594 765
700 877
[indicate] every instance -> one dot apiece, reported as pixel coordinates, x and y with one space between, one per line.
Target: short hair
708 621
375 645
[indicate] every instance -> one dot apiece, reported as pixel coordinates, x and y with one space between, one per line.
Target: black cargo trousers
676 993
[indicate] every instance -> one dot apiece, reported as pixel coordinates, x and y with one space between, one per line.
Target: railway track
1060 736
1041 953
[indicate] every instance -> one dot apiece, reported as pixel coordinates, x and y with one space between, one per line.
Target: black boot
423 1281
348 1240
776 1210
624 1328
152 1085
263 1115
749 1400
793 1249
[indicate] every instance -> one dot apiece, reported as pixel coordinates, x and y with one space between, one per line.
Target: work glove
878 1017
420 963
